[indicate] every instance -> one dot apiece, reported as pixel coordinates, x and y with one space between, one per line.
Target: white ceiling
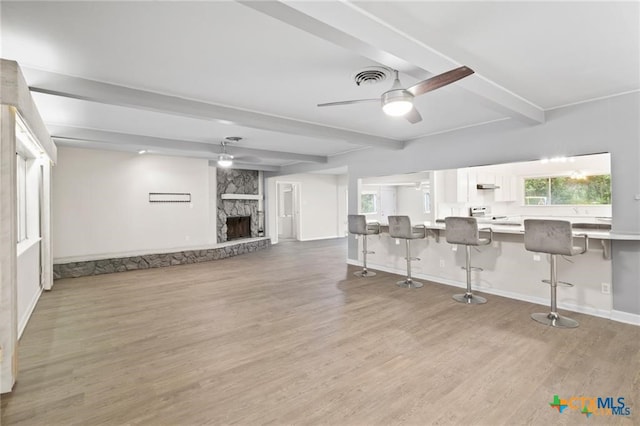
258 69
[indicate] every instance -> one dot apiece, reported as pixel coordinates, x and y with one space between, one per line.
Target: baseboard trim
625 317
613 315
22 324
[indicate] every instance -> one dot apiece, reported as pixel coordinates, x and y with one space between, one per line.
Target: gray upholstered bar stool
465 231
358 226
555 238
400 227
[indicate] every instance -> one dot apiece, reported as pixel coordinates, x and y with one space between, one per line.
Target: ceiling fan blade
440 80
356 101
413 116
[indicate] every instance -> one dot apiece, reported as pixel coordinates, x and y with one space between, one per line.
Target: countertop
514 225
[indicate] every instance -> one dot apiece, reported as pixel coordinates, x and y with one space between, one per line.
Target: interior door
388 203
286 211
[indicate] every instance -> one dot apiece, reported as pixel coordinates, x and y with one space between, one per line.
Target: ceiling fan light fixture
397 108
397 103
225 160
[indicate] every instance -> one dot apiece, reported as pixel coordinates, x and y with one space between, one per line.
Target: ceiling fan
398 101
226 160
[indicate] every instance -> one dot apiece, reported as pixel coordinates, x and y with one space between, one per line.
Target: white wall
411 203
101 204
319 205
343 205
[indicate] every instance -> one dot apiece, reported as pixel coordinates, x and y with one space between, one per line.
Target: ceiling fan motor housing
397 102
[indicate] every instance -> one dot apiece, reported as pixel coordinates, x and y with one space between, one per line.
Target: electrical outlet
606 288
536 258
442 263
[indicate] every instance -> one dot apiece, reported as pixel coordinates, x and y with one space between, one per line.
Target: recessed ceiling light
142 151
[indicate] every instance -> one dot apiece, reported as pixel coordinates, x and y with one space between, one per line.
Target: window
568 190
21 178
368 203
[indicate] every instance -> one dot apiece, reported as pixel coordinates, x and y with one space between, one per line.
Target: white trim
26 244
22 323
256 197
625 317
613 315
455 129
600 98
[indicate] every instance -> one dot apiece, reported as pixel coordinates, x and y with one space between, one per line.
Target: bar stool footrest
473 268
562 283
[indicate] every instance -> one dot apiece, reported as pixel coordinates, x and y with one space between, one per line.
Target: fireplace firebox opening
238 227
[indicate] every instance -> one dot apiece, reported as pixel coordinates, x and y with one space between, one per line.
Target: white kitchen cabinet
456 185
508 188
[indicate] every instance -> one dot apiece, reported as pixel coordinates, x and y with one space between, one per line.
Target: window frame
375 202
22 207
426 201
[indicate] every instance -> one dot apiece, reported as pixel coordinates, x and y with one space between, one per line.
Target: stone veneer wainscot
122 264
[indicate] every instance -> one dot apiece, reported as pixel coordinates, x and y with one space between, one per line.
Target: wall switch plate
536 258
606 288
397 242
454 248
442 263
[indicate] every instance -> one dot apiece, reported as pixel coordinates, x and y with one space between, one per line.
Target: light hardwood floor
290 336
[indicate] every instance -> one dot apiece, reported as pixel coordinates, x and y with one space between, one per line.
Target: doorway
288 210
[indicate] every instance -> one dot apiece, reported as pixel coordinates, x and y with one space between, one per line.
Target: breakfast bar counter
507 268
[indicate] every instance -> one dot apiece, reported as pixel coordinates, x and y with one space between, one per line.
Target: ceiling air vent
371 75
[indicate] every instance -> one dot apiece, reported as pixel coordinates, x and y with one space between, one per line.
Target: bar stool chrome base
407 283
365 273
469 298
554 319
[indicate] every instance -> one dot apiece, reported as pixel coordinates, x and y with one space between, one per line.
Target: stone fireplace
232 181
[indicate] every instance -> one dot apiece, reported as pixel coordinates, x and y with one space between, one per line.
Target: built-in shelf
256 197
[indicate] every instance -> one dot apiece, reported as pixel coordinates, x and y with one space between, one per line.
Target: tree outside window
368 204
568 190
